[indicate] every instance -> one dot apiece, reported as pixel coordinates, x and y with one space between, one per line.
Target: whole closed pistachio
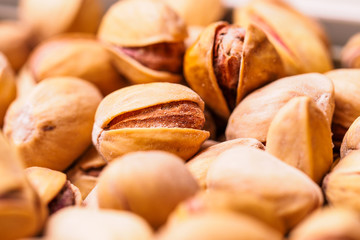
350 55
51 126
227 62
351 141
252 117
7 87
149 184
146 38
300 135
153 116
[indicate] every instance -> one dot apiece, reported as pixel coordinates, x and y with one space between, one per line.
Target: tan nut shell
51 126
260 64
149 184
252 117
7 87
75 223
350 55
329 223
351 141
303 48
249 171
200 164
300 135
183 142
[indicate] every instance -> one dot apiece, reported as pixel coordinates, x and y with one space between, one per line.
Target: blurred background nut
153 116
51 126
200 164
149 184
50 18
252 117
22 214
329 223
350 55
351 141
300 41
300 135
249 171
54 190
146 38
75 223
227 62
7 87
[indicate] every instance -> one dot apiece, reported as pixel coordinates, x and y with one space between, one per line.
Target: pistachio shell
252 117
351 141
7 87
300 135
249 171
200 164
25 82
350 55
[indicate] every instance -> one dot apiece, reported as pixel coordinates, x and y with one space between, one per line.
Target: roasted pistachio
153 116
7 87
51 126
149 184
351 141
350 55
227 62
252 117
249 171
146 38
300 135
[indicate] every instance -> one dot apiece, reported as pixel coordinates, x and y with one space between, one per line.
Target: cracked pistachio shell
300 135
329 223
165 182
7 87
200 164
350 55
111 143
76 223
50 18
351 141
252 117
260 64
249 171
51 126
219 225
19 203
303 48
341 184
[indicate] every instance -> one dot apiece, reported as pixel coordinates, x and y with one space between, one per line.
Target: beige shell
7 87
252 117
183 142
249 171
351 141
50 18
76 223
135 180
300 135
350 55
260 64
200 164
51 126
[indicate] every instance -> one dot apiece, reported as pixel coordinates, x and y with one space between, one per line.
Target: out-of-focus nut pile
106 119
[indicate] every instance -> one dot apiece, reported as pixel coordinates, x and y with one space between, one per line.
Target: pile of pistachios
156 119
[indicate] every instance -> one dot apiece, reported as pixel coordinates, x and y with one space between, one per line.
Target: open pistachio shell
7 87
351 141
302 48
260 64
350 55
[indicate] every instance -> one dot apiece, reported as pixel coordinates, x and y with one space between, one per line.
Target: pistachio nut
22 214
76 223
149 184
227 62
7 87
303 48
50 18
15 43
250 171
351 141
341 184
252 117
200 164
84 174
153 116
350 55
347 101
219 225
146 38
300 135
79 56
329 223
51 126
